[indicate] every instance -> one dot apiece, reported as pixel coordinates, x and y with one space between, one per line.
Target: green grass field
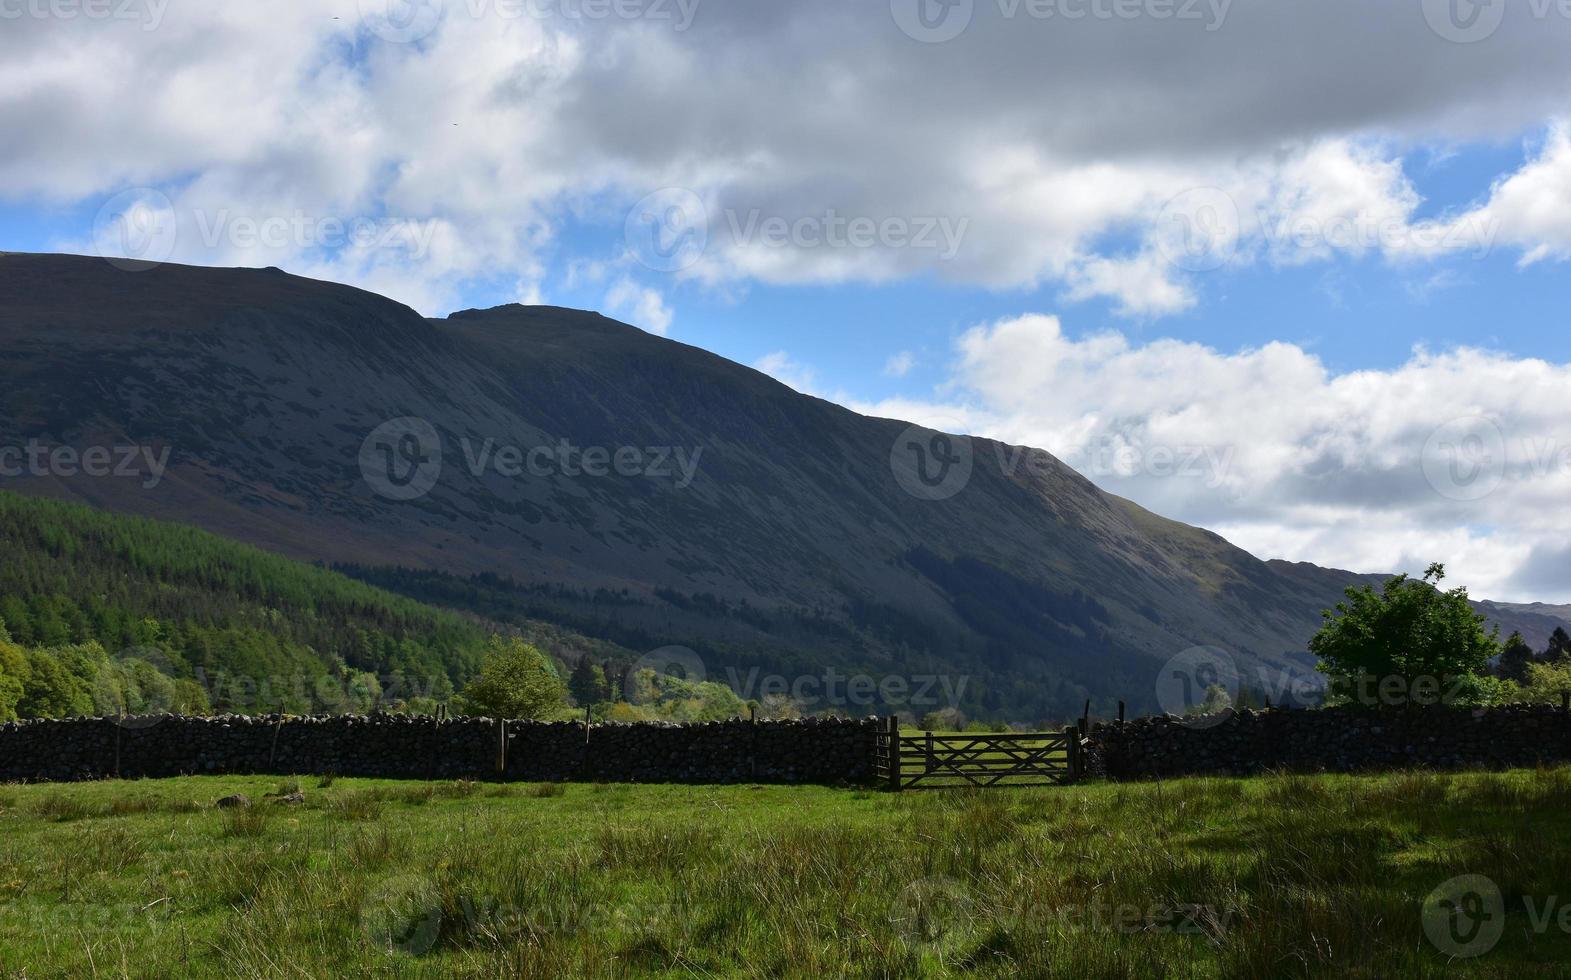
1282 876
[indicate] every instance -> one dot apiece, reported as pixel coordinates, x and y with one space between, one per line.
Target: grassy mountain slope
793 547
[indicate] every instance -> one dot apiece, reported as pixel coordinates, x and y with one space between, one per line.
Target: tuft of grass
247 821
356 805
545 790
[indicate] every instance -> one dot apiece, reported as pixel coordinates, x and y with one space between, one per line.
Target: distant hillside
260 630
761 528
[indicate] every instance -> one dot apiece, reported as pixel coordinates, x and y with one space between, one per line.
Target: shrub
516 681
1546 682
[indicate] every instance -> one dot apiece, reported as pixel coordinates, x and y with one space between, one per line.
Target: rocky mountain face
559 464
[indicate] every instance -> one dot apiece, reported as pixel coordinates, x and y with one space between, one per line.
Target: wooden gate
929 761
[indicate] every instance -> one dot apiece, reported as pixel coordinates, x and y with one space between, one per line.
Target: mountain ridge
268 389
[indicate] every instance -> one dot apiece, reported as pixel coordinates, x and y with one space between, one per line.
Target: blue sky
1324 244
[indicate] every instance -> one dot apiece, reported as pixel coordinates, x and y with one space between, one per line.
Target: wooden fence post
272 755
752 741
1565 700
501 745
1074 752
1120 712
894 752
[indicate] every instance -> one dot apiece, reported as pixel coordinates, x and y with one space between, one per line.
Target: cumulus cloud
1007 156
1458 456
788 371
644 307
1530 209
899 365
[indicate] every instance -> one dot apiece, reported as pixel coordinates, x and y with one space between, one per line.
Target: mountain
770 532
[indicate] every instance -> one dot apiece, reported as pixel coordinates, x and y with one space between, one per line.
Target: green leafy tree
14 673
588 683
52 690
778 707
1515 659
516 681
1377 645
672 698
1547 682
944 720
365 692
190 698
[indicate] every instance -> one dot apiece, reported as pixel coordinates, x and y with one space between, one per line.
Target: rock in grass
239 801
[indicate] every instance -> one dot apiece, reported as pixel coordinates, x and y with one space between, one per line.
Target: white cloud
1530 209
497 131
645 307
784 369
899 365
1457 456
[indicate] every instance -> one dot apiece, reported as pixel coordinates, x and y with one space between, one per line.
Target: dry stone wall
1331 740
809 751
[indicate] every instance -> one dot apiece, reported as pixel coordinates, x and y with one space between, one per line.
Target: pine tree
1559 646
587 683
1514 660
